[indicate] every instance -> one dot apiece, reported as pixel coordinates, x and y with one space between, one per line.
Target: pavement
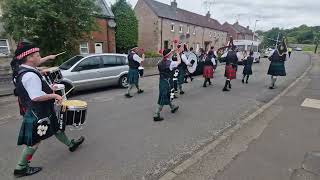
280 143
123 142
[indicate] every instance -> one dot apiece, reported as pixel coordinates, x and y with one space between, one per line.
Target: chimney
174 4
247 27
208 15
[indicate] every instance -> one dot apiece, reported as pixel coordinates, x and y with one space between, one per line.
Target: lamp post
254 30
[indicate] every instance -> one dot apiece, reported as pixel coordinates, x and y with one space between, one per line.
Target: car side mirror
78 68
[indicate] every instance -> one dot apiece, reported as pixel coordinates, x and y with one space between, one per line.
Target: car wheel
123 81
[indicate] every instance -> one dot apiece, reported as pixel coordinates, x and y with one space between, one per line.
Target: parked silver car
95 70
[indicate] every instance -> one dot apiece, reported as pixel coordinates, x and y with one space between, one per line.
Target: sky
269 13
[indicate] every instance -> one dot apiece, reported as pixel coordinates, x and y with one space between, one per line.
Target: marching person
208 68
166 67
36 100
188 74
289 51
247 67
183 68
133 75
277 67
231 67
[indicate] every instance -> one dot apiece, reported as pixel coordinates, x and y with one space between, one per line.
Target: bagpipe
221 52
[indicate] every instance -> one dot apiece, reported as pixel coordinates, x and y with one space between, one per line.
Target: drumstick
61 53
68 92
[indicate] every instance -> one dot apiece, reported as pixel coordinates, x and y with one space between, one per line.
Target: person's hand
44 71
58 98
143 56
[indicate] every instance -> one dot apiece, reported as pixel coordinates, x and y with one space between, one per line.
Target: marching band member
247 67
166 67
231 67
277 58
36 100
183 67
188 74
133 75
208 68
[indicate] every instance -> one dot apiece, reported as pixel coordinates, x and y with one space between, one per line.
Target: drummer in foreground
36 100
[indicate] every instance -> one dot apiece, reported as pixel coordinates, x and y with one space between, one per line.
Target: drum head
192 58
75 104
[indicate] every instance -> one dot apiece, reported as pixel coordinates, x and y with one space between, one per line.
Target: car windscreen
69 63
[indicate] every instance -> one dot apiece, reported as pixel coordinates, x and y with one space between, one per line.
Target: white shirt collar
27 66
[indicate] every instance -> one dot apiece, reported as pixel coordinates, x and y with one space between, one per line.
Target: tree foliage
127 26
53 25
299 35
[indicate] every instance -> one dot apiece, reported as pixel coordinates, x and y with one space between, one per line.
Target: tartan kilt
28 131
164 92
133 76
230 72
208 71
277 69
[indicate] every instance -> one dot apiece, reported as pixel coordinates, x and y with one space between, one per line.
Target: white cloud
279 13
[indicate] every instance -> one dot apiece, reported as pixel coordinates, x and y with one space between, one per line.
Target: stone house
160 24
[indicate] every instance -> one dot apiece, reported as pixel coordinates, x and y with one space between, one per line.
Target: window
172 27
84 48
111 61
180 29
4 47
215 34
166 44
188 29
90 63
210 34
194 30
72 61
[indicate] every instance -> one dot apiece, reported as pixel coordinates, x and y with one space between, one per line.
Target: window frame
7 46
181 28
172 27
87 47
194 30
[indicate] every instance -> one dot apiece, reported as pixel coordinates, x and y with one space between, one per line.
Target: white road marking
311 103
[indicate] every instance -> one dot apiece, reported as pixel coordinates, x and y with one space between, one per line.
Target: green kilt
28 131
133 76
164 92
182 73
277 69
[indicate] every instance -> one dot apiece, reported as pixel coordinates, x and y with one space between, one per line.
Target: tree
127 26
317 39
53 25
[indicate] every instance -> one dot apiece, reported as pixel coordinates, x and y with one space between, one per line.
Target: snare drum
72 113
53 75
60 89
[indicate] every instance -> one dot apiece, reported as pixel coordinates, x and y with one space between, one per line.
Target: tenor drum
141 71
53 75
73 113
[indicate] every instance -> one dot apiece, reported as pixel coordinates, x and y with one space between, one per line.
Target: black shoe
242 81
230 86
76 144
204 85
140 91
225 89
28 171
186 82
210 83
175 109
247 82
128 95
192 79
271 87
181 92
158 118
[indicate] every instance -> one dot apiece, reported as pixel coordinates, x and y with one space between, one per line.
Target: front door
98 48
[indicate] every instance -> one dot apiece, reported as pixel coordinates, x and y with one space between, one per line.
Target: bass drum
192 58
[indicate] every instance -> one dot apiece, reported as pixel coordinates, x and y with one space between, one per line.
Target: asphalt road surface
123 142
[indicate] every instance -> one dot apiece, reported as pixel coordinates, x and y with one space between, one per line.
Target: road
123 142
